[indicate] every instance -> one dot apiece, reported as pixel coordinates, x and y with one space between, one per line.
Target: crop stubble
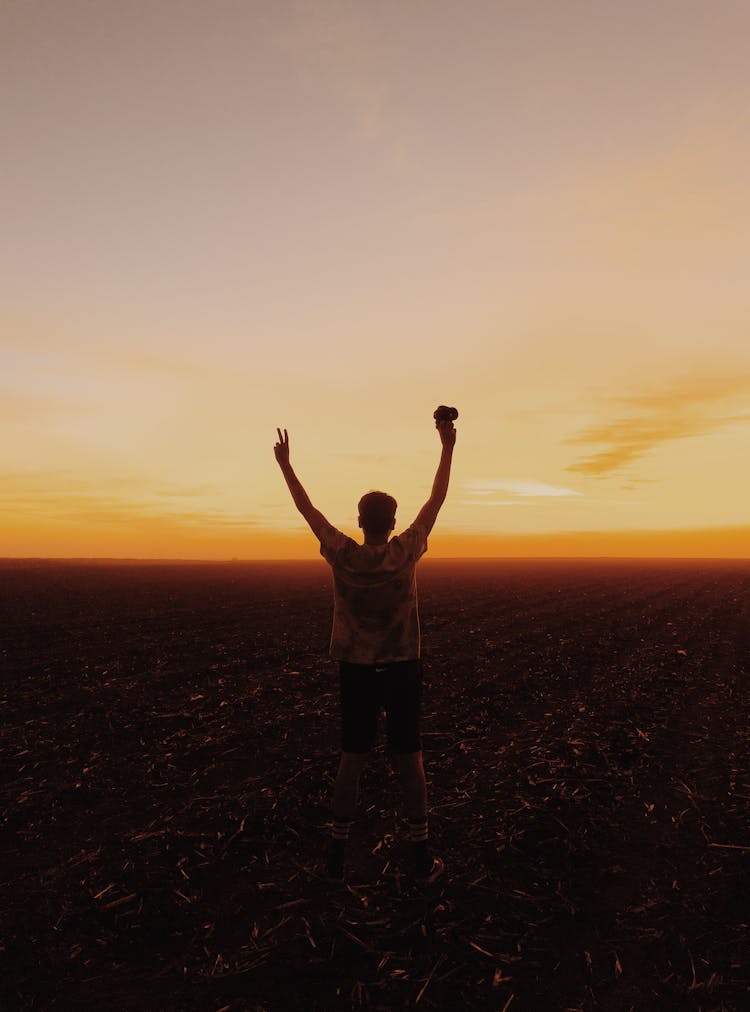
170 735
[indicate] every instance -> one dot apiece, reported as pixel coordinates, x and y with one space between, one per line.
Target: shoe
428 872
335 861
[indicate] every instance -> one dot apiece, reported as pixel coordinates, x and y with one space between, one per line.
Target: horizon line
433 558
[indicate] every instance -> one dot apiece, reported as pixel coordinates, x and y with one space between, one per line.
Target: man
375 639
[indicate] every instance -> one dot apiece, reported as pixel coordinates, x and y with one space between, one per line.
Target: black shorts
366 689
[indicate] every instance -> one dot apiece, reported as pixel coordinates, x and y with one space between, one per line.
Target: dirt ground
169 738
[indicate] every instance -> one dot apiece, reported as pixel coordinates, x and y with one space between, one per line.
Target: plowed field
169 737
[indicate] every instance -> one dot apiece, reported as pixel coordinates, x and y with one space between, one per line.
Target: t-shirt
375 615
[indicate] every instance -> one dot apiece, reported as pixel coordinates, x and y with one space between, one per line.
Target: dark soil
170 737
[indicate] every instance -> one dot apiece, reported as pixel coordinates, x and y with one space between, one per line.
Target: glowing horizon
332 218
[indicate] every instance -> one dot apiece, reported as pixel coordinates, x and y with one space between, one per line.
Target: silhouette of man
375 639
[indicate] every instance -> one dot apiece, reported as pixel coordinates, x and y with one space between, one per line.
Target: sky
220 218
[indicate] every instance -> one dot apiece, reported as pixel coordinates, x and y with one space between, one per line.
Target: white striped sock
418 829
340 829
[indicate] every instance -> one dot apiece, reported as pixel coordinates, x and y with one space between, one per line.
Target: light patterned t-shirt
375 615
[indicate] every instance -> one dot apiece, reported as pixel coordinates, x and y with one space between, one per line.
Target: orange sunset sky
222 217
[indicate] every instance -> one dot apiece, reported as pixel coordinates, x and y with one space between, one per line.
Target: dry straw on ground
170 739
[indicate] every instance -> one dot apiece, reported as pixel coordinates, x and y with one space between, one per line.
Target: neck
376 539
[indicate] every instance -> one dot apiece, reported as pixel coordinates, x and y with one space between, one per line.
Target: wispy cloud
692 391
102 511
109 502
516 487
16 408
188 491
495 502
690 408
635 483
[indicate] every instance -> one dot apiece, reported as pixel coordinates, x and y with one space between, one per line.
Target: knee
354 762
407 763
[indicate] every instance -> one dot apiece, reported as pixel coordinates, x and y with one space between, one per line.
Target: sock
418 843
340 829
336 847
418 829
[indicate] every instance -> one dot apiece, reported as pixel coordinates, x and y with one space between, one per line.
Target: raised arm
428 514
314 517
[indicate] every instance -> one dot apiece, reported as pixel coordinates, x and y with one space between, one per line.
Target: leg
346 788
403 704
359 716
403 708
410 769
359 721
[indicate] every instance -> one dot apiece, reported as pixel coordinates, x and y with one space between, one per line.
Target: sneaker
335 861
427 871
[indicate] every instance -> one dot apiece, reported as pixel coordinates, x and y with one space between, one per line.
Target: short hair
377 512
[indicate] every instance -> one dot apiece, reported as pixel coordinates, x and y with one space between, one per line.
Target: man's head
377 514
